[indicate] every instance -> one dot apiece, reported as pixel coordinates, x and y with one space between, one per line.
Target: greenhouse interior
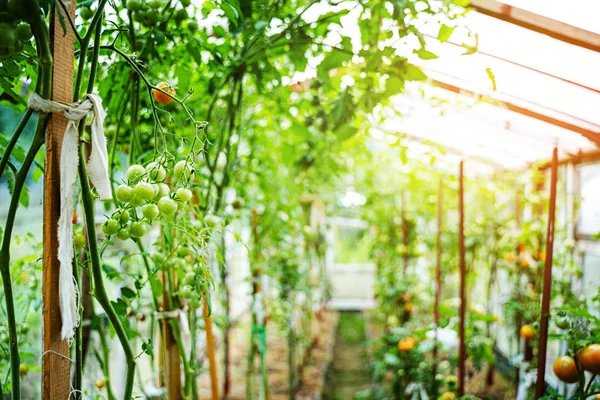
288 199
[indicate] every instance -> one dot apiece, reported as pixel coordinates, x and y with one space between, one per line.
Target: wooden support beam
211 352
586 129
540 386
56 381
462 354
538 23
438 272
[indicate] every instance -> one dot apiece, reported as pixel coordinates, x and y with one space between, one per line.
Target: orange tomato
542 255
522 247
510 257
524 263
408 307
407 344
589 358
407 297
74 217
527 332
565 369
160 96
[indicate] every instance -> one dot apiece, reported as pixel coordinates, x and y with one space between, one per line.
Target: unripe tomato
79 240
186 291
447 396
237 203
144 191
184 195
565 369
189 278
167 206
134 5
136 201
192 26
150 211
527 332
134 172
186 3
182 170
181 15
212 220
123 233
195 302
7 35
23 369
156 172
156 4
124 193
100 383
110 227
153 18
23 31
138 229
163 190
589 358
161 97
122 216
562 322
86 13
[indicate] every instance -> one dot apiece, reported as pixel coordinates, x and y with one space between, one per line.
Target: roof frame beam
538 23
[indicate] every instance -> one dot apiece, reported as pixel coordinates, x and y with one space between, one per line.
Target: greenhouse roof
531 85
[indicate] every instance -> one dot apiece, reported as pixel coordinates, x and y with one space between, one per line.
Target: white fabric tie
97 168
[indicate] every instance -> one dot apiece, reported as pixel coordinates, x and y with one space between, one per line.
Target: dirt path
349 370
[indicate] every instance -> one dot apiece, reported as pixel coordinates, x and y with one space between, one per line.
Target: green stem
99 289
15 360
13 140
106 357
78 375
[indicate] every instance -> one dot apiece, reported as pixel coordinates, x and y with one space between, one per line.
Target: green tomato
150 211
122 216
189 278
110 227
184 195
86 13
562 322
167 206
158 258
156 172
184 252
136 201
192 26
23 31
152 17
24 328
123 233
178 263
186 3
134 172
138 229
238 203
182 169
144 191
156 4
195 302
186 291
79 240
181 15
124 193
212 220
134 5
163 191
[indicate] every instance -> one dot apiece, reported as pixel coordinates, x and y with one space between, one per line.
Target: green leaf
346 132
127 292
148 347
414 73
492 77
156 286
445 32
425 54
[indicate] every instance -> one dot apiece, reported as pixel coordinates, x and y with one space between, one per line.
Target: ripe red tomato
565 369
589 358
161 97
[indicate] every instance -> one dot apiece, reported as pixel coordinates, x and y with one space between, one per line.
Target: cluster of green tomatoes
13 35
148 13
146 197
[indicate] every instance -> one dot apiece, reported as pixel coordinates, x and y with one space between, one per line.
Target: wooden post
172 358
210 351
56 382
540 386
463 300
438 272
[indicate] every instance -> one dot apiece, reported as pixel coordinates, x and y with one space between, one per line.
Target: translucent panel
514 81
580 13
